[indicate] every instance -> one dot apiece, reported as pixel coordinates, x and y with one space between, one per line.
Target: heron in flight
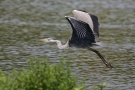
85 33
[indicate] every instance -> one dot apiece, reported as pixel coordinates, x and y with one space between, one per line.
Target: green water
23 22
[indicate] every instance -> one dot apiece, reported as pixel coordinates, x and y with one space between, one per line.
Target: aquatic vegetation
40 75
100 86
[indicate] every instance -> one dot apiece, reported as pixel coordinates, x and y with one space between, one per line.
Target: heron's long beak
42 40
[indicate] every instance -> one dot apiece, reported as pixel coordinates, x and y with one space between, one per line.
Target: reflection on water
22 22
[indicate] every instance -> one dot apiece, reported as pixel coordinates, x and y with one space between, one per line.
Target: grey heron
85 33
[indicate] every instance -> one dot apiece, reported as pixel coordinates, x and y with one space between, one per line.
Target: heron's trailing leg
104 61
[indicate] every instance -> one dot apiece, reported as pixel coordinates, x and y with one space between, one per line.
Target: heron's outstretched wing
90 19
82 35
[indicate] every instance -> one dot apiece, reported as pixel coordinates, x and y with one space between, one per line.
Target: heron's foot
109 65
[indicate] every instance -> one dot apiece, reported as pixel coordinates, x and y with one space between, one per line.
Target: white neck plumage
59 44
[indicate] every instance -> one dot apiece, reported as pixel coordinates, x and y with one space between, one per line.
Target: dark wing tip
67 17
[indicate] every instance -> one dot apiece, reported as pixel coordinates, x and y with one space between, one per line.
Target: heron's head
46 40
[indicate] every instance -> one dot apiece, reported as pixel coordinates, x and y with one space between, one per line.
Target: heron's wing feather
95 24
82 35
90 19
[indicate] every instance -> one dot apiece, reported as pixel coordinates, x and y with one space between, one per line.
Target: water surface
22 22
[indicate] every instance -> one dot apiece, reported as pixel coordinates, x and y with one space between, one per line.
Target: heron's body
85 33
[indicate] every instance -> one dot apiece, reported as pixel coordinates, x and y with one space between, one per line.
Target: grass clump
40 75
100 86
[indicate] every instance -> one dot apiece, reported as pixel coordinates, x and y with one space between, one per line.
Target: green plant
100 86
40 75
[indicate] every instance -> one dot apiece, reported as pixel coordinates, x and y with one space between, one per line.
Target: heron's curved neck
60 46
